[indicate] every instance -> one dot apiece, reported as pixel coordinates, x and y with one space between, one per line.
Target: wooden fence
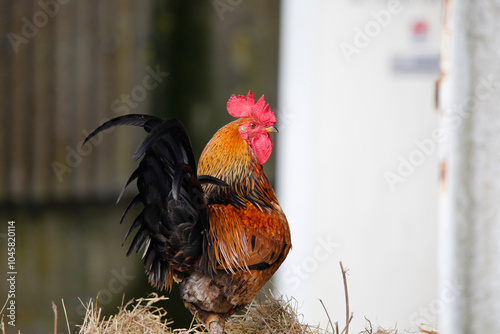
65 66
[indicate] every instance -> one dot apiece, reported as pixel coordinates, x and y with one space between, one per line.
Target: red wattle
262 146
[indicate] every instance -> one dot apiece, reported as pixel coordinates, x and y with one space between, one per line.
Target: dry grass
140 316
269 315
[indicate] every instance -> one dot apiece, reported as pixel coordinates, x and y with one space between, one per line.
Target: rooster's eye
252 125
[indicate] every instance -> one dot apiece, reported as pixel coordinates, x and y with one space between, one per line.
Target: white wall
345 124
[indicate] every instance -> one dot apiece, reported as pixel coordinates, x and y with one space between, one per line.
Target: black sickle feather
173 224
137 222
132 177
146 121
132 203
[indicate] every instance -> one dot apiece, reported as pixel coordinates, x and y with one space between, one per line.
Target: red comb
246 107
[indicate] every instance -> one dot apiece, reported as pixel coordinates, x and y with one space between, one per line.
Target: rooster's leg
215 324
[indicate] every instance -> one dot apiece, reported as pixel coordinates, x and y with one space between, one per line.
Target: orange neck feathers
229 157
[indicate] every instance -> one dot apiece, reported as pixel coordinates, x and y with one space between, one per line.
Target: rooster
216 229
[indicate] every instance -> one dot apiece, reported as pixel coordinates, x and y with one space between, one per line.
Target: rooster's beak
272 129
